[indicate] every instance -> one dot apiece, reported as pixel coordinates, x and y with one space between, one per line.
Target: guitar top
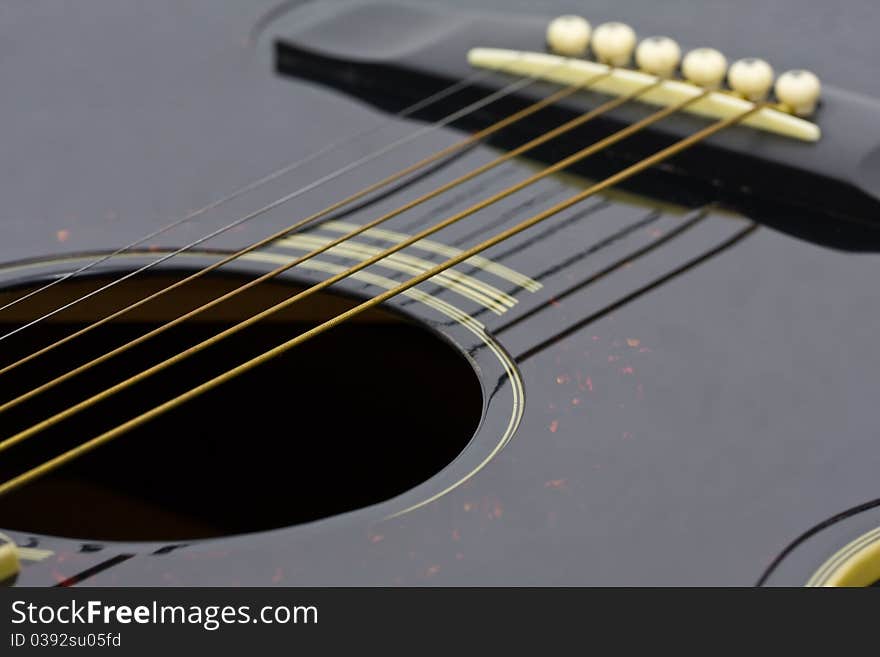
502 298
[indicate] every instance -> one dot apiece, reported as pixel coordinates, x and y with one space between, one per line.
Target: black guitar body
674 382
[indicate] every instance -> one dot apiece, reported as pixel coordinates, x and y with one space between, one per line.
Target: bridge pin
705 67
799 90
658 55
613 43
751 77
569 36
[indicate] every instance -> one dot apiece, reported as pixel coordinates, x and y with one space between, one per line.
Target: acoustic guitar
368 292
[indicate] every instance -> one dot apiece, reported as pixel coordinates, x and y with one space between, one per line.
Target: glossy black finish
687 416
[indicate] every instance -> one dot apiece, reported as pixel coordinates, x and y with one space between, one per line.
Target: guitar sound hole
353 417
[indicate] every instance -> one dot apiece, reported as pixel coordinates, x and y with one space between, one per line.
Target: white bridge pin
751 77
705 67
799 90
613 43
658 55
569 36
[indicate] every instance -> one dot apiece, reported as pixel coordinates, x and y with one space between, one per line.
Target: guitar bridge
615 81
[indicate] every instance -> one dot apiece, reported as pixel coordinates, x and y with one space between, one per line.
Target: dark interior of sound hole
356 416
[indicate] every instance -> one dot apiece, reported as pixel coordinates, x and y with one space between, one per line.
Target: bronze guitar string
524 148
255 184
583 153
614 179
521 83
568 161
453 148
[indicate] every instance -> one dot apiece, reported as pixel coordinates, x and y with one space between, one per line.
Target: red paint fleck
554 302
456 535
589 384
376 538
62 235
575 401
626 435
496 510
554 425
432 570
626 370
556 483
612 359
459 556
278 576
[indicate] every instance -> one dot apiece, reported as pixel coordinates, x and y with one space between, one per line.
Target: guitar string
520 150
317 183
521 83
259 182
512 88
568 161
491 200
562 164
281 233
89 445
